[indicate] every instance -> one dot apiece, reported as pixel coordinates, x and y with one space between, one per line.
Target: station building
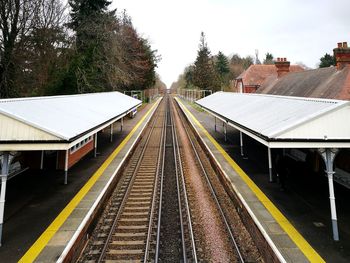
255 76
284 122
55 132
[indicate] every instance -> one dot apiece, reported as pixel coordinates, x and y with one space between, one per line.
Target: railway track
122 233
133 225
195 148
149 216
129 236
175 238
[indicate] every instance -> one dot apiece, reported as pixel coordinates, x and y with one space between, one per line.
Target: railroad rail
135 223
212 190
123 231
174 216
130 233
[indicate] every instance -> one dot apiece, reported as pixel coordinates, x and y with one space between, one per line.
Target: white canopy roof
60 118
307 122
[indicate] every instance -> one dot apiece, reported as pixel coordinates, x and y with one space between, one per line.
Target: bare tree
45 45
16 20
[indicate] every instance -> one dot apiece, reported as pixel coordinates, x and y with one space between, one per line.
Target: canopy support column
241 142
270 164
225 131
4 174
95 145
121 123
328 156
214 123
111 132
42 160
66 167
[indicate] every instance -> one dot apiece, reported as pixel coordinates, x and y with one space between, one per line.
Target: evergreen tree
222 69
92 23
86 16
204 73
327 61
188 76
140 59
83 9
268 59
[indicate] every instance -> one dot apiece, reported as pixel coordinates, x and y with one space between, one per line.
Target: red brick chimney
282 66
342 55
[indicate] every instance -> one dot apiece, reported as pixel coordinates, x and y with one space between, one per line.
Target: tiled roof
318 83
257 74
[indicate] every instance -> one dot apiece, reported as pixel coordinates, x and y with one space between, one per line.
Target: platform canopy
58 122
284 122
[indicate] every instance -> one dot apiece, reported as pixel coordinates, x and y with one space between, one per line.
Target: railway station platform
295 220
43 215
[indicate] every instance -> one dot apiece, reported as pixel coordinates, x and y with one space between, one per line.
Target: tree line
212 72
49 48
216 72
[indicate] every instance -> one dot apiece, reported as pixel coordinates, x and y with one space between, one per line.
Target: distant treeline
48 48
214 72
218 72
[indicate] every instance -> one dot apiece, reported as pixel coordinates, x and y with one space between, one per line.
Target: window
80 144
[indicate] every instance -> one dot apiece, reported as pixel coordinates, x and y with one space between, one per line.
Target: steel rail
159 172
179 174
213 193
125 197
156 258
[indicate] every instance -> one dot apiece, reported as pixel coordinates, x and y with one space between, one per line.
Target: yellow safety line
46 236
298 239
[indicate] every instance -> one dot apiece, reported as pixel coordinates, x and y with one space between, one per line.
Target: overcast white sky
301 30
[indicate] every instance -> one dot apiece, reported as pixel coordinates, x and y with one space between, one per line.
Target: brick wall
75 156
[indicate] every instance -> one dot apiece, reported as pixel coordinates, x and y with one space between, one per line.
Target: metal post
4 174
270 164
214 123
225 131
241 142
111 132
328 156
66 167
57 156
121 124
42 160
95 145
